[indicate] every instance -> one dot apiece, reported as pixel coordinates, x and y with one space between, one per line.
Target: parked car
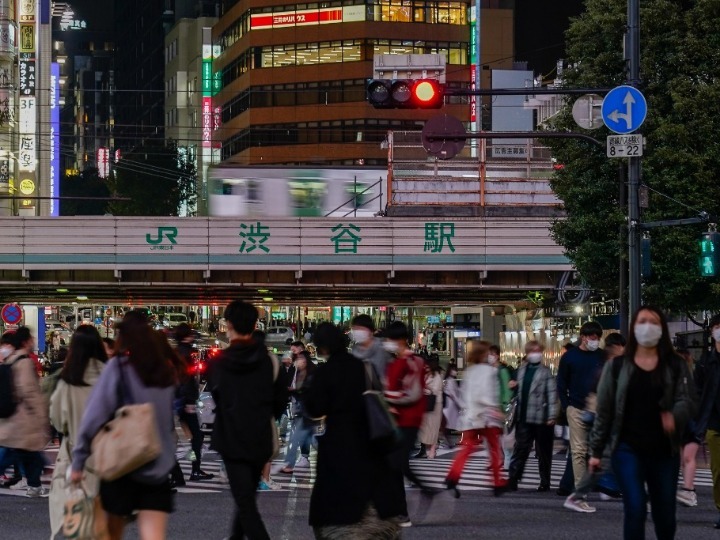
279 334
171 320
206 411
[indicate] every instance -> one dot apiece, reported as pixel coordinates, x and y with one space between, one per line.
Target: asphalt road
477 514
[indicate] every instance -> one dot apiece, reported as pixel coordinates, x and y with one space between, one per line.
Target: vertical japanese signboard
54 138
27 128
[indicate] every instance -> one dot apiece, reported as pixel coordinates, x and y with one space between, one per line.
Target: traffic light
405 93
709 260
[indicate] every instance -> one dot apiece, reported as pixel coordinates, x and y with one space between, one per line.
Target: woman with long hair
430 428
482 417
303 426
139 373
85 362
644 401
452 403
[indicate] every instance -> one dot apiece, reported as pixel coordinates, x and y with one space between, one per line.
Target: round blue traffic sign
11 313
624 109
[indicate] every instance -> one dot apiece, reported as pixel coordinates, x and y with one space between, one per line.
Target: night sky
539 31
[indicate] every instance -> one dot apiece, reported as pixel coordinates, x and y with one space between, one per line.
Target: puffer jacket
28 428
678 398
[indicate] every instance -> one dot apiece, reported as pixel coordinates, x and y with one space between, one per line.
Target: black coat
348 473
246 401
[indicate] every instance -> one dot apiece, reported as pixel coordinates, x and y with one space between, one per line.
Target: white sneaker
22 484
34 492
686 497
273 484
303 462
580 505
605 497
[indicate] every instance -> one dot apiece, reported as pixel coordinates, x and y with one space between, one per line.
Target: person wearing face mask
404 392
604 479
707 425
482 418
537 402
644 400
575 379
367 347
452 404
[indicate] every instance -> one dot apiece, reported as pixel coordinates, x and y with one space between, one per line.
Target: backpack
8 399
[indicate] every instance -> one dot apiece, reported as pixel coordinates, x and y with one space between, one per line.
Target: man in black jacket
707 379
248 395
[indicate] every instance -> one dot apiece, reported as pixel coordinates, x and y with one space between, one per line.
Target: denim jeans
300 439
31 463
633 471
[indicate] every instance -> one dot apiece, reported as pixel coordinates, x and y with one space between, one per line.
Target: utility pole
632 49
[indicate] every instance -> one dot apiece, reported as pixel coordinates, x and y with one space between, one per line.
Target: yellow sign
27 186
27 38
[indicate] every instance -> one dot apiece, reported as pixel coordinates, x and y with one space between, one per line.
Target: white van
171 320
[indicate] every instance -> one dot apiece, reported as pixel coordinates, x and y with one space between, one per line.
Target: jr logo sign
162 233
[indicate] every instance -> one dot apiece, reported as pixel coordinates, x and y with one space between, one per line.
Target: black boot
452 485
422 453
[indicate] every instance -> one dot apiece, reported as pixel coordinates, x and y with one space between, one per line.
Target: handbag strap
123 390
371 378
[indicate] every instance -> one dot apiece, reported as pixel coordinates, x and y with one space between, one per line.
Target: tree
158 180
680 69
85 184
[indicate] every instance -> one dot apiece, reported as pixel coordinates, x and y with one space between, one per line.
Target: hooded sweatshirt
246 401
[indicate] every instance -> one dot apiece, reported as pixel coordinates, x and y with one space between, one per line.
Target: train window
253 190
307 196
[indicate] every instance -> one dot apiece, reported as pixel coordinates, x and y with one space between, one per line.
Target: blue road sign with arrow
624 109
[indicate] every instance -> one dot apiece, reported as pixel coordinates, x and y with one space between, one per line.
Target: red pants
470 441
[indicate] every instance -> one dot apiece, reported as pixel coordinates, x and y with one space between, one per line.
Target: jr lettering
169 232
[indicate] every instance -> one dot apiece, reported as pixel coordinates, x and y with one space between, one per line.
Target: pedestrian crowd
636 412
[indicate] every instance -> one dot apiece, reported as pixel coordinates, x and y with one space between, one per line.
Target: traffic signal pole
634 228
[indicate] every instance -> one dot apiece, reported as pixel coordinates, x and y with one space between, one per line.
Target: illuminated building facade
294 75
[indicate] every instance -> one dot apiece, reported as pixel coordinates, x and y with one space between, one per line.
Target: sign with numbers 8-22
622 146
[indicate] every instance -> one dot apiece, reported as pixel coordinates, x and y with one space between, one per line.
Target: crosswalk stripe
476 475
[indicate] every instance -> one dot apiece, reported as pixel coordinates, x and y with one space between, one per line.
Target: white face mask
535 357
390 346
360 335
492 359
648 334
592 344
716 334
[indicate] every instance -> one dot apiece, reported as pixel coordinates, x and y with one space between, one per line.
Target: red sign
207 121
11 313
473 99
296 18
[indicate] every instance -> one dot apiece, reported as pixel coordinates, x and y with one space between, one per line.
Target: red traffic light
405 93
428 93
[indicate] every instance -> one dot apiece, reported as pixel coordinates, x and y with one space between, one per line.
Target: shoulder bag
381 423
128 441
511 414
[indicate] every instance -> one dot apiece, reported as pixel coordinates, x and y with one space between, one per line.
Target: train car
296 191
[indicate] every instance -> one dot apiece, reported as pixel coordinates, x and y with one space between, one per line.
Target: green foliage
680 72
86 184
155 180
